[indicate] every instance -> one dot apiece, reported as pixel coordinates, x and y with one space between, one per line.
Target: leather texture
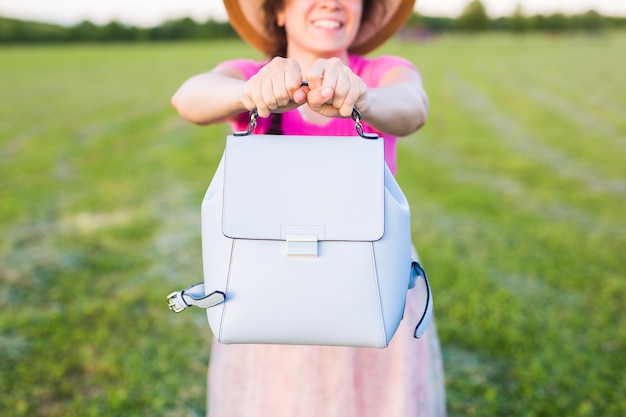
327 186
335 189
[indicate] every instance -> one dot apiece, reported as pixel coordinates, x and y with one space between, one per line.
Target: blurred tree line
13 31
474 18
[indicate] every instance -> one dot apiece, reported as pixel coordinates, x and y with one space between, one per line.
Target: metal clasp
171 304
302 246
356 116
254 114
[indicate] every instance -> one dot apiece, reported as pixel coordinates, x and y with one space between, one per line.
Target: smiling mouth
327 24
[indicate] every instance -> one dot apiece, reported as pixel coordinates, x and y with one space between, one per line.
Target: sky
154 12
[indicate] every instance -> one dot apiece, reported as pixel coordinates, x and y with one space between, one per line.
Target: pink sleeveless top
371 70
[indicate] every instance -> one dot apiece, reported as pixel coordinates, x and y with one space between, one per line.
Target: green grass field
518 193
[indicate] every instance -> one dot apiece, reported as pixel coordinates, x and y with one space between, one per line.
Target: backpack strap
194 296
418 271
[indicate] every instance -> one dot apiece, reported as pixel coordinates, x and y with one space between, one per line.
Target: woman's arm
398 106
210 97
224 92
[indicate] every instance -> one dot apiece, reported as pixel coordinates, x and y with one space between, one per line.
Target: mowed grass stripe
510 192
513 133
513 151
508 78
487 225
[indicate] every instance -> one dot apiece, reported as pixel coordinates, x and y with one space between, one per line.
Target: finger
247 101
357 92
342 90
279 90
319 98
349 103
330 80
263 97
262 110
315 75
252 96
249 93
293 77
300 95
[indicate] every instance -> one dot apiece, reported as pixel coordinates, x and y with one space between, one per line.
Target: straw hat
246 17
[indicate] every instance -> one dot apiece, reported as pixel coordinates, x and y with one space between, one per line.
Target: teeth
329 24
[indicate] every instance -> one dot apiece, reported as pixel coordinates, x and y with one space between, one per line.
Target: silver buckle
171 304
302 245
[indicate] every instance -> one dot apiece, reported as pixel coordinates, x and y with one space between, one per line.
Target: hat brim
246 17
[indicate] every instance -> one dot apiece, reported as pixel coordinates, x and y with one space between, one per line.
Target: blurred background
517 186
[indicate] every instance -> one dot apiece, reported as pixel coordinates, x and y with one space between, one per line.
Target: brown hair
278 34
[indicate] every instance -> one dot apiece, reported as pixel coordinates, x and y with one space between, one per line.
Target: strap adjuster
174 306
194 296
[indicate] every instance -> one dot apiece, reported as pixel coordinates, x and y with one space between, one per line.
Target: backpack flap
303 188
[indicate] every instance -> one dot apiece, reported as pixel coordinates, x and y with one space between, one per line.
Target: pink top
371 70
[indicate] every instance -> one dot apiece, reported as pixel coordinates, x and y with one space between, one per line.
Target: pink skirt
405 379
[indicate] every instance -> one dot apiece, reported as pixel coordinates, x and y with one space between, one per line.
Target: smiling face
323 28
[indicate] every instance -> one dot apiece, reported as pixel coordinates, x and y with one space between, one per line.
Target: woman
321 42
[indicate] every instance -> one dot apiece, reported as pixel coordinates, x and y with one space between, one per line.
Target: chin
329 52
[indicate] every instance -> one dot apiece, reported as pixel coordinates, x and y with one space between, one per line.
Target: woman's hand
276 88
334 89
